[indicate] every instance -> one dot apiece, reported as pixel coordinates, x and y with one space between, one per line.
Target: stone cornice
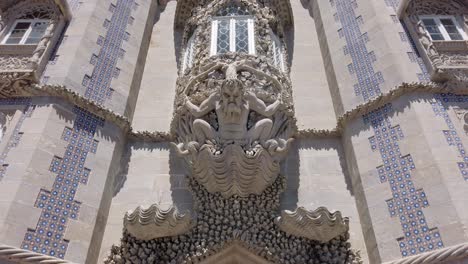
122 122
24 256
376 102
444 255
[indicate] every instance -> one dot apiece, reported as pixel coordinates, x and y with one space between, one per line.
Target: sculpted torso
232 107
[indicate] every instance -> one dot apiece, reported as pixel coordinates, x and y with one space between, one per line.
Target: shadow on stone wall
181 195
291 169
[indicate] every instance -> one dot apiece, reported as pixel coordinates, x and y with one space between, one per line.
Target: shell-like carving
235 172
151 223
320 225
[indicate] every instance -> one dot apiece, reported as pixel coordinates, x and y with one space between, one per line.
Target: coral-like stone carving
248 222
319 225
151 223
233 140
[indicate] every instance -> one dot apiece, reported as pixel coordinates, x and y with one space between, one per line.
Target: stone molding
320 224
122 122
445 255
24 256
153 222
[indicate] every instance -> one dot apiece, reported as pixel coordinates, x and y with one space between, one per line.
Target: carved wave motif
320 225
234 172
151 223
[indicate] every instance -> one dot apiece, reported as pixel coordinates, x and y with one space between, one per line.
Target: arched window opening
26 31
189 53
443 28
278 52
232 31
29 25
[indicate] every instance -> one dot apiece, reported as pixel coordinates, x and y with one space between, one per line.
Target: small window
232 34
278 57
443 28
188 56
26 31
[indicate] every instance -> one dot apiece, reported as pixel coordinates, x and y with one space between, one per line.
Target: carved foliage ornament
436 53
14 83
231 134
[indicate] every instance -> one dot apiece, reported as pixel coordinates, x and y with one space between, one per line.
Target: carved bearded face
231 97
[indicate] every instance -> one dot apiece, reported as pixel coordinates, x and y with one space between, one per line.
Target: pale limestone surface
155 175
312 99
339 173
156 95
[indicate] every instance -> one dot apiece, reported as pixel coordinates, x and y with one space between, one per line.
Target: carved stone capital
319 225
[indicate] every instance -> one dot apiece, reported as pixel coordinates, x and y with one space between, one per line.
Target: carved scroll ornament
233 140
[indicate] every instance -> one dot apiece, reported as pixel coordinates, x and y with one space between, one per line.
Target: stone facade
233 131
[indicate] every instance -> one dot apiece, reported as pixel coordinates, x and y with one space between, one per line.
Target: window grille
26 31
189 53
232 31
278 57
443 28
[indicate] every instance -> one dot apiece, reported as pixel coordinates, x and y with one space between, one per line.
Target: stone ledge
445 255
160 136
25 256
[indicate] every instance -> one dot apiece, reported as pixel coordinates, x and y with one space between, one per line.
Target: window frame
232 33
26 34
441 27
277 45
188 54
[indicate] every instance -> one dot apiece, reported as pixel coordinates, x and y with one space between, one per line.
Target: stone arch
185 9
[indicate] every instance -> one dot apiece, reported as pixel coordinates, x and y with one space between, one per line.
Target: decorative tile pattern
407 200
58 205
17 133
451 135
98 85
369 80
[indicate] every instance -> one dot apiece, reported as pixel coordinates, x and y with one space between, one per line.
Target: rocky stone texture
222 221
